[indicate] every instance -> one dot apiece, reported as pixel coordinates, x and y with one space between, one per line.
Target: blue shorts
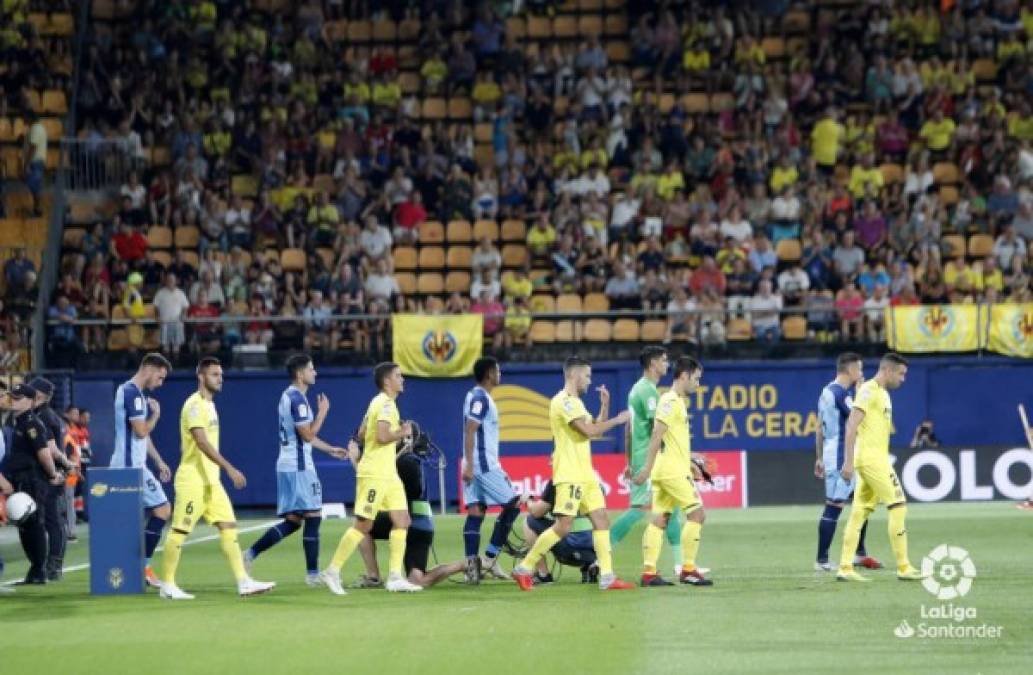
837 489
575 549
298 491
153 494
491 489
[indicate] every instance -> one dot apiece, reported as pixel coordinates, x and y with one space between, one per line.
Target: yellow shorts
877 484
672 493
578 499
196 500
373 495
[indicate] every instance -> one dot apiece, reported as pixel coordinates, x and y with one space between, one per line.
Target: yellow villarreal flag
437 346
1011 329
934 328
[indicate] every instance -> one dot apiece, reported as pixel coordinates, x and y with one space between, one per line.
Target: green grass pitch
768 612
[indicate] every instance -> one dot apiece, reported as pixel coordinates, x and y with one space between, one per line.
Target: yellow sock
170 559
546 540
851 535
231 549
690 533
652 542
396 546
898 536
349 542
601 544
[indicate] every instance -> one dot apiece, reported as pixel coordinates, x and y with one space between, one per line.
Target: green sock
625 521
673 532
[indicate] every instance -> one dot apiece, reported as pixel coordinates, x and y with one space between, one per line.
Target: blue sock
860 541
273 535
472 534
151 536
310 542
503 524
827 530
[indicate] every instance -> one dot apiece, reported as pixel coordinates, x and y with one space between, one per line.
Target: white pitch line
208 537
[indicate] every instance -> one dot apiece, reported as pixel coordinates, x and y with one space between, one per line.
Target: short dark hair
845 359
381 371
297 362
155 360
483 366
892 358
686 364
574 362
650 354
207 362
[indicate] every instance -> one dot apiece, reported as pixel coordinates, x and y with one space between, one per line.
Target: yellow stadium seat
430 283
514 230
457 282
565 331
485 228
946 172
460 108
434 109
892 173
598 330
739 330
626 330
543 303
459 257
596 302
159 236
653 330
569 303
187 236
794 328
385 31
293 259
432 232
405 258
953 245
980 245
459 232
432 258
406 282
514 255
543 332
789 250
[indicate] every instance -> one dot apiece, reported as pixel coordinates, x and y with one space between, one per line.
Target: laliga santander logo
948 572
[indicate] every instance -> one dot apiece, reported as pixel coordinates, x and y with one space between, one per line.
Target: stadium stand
851 155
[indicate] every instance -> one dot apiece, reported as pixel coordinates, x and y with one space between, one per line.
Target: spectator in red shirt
494 313
708 276
409 215
207 336
129 244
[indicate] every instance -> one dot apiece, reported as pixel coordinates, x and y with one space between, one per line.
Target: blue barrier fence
754 406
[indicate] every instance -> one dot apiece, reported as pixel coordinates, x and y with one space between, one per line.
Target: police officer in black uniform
57 536
31 467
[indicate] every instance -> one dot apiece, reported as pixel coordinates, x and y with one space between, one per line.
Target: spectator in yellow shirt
784 174
826 137
434 72
671 180
991 276
864 175
517 325
486 93
541 238
386 94
957 274
938 133
517 286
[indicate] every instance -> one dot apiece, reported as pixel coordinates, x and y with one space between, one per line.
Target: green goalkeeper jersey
642 400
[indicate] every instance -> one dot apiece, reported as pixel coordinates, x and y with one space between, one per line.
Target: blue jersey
130 451
480 408
833 411
294 410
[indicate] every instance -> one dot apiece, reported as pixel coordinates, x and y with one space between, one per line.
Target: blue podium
115 498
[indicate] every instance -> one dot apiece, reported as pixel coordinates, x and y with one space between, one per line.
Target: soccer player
419 537
577 486
833 412
574 550
378 487
485 484
136 416
299 494
867 453
642 401
669 467
199 494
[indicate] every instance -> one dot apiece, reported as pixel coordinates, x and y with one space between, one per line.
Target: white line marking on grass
207 537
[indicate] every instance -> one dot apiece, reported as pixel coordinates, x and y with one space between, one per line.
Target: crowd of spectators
725 164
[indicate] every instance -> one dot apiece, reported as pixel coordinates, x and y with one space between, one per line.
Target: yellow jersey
572 451
195 467
872 444
825 139
378 461
675 456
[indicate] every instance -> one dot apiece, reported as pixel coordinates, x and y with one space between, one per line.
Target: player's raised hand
238 479
819 468
164 473
604 395
322 404
155 407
